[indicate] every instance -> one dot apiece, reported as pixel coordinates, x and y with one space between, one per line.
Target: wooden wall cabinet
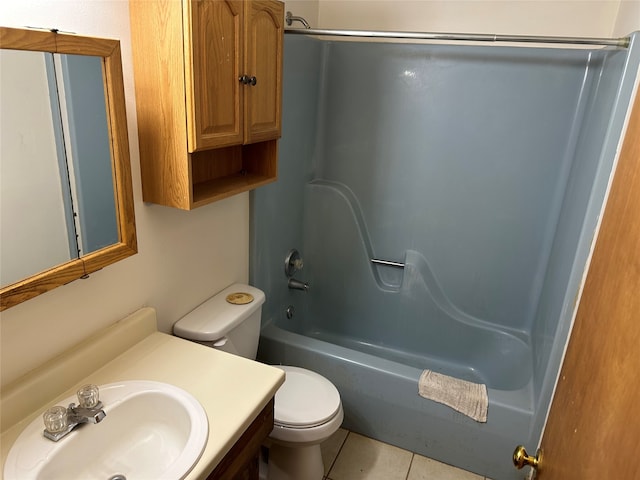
208 76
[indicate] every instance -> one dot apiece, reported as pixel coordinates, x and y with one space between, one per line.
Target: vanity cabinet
208 77
242 461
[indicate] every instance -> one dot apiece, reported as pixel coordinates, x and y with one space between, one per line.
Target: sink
152 430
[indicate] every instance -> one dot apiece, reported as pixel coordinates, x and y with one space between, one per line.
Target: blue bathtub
483 171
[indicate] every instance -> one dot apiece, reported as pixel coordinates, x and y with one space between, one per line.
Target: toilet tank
228 321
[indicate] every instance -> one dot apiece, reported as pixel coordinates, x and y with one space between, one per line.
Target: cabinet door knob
247 80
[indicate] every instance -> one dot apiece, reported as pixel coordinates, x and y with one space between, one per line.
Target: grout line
406 477
338 454
413 455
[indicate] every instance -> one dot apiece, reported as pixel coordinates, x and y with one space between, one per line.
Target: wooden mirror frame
109 50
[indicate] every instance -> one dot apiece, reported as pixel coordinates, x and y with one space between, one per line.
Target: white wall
186 256
628 19
183 257
525 17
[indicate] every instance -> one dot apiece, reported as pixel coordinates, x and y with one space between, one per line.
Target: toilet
307 407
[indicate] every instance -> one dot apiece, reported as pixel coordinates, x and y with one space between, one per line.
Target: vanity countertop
232 389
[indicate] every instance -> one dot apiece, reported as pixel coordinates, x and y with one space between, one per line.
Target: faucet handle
88 396
55 419
292 263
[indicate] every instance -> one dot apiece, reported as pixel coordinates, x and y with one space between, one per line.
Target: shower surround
482 170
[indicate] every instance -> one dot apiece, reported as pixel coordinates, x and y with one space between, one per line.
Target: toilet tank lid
216 317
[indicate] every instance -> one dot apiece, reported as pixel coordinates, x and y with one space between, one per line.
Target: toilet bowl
307 410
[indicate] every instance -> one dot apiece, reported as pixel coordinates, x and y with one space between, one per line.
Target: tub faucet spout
298 285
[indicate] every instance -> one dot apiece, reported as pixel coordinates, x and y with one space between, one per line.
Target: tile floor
350 456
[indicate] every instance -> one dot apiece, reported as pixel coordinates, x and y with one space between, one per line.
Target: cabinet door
263 60
213 64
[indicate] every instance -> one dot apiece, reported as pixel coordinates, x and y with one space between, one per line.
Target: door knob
521 458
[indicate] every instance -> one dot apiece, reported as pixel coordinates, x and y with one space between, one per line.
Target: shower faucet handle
292 263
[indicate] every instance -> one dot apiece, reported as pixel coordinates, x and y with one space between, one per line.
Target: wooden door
263 60
213 66
593 430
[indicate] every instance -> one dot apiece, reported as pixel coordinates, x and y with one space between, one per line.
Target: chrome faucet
298 285
80 415
293 263
60 421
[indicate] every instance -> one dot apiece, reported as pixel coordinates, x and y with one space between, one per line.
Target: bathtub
372 329
482 171
379 391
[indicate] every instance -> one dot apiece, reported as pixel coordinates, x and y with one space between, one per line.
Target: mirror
56 181
67 203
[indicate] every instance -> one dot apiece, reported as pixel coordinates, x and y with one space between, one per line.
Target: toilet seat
305 400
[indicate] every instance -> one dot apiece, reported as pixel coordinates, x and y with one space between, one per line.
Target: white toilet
307 408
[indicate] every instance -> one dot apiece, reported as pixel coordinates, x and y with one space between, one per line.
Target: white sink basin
152 431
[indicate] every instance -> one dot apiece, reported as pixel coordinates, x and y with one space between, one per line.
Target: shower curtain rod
622 42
